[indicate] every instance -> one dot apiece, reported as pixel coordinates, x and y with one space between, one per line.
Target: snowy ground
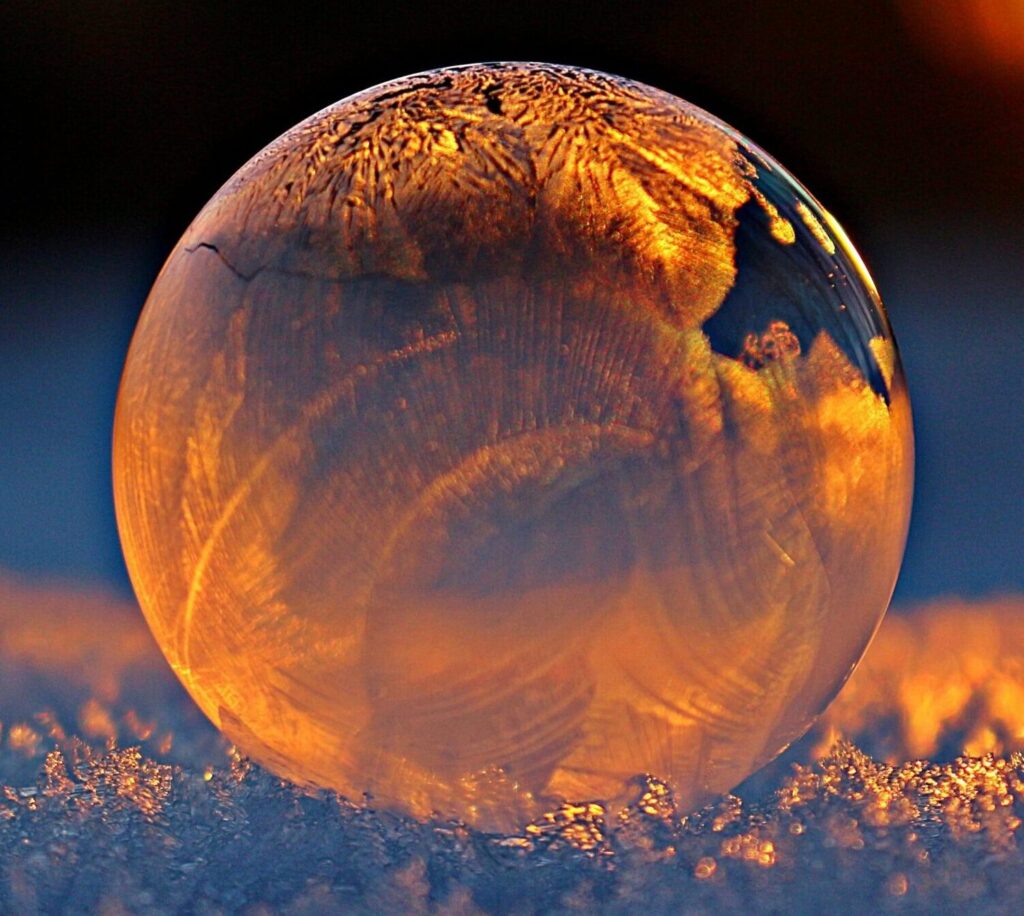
119 797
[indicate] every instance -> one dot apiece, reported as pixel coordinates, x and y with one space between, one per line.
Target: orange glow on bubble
505 433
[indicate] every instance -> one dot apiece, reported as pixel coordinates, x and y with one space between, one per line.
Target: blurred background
905 117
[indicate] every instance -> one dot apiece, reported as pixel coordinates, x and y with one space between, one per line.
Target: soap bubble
504 432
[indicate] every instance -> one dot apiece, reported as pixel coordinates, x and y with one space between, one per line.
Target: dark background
121 119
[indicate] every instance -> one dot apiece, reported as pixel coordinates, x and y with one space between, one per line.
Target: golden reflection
817 230
503 433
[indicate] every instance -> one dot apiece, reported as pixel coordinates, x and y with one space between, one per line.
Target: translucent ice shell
504 432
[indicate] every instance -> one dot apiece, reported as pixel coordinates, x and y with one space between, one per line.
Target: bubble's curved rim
762 157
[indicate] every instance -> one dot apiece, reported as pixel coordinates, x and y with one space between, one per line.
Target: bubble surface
504 432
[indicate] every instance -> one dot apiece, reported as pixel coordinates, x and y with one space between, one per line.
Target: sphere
505 432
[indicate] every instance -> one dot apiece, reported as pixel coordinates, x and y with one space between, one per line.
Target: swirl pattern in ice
504 432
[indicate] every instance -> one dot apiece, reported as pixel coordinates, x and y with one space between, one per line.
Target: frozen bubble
504 432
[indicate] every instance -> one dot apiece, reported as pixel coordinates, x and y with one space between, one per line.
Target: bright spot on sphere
504 432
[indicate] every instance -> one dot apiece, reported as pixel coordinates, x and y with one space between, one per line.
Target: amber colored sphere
505 432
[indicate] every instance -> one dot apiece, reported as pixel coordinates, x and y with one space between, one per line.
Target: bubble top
575 162
504 432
